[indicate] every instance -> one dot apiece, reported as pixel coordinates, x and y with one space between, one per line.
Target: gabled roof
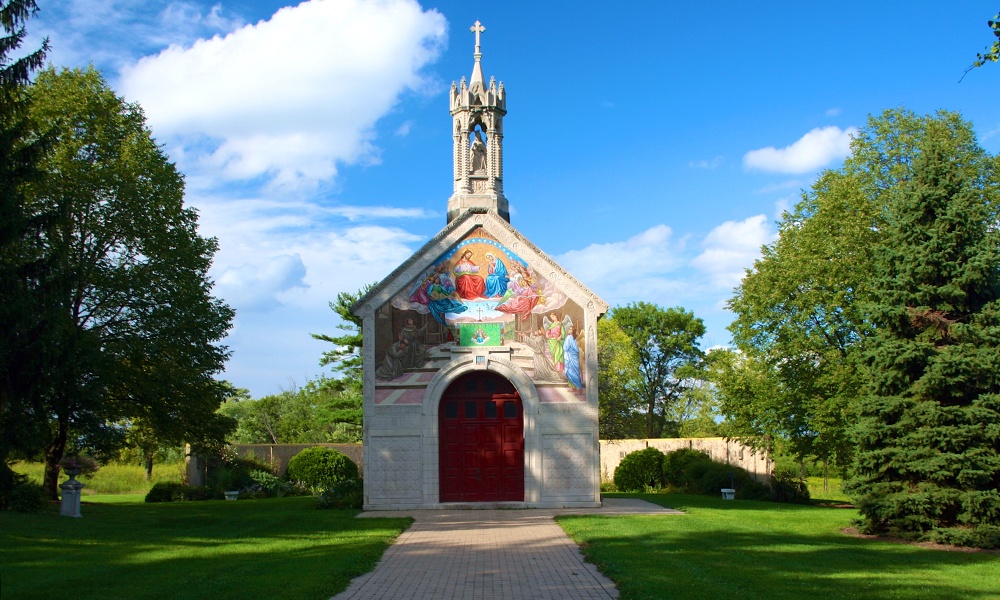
452 234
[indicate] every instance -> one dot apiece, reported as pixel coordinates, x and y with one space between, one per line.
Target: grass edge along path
743 549
277 548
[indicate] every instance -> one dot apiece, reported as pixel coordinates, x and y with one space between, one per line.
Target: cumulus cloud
256 286
731 247
110 33
650 252
289 98
814 150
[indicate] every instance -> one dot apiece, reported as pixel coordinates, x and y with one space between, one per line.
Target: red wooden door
481 443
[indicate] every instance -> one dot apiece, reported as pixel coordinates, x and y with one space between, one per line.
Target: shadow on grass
765 550
246 549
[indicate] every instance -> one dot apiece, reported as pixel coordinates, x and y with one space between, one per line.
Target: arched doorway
481 440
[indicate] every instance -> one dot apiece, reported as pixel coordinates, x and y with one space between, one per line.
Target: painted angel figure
555 333
571 354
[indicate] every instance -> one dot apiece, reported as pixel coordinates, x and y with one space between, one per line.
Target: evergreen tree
346 353
928 459
22 323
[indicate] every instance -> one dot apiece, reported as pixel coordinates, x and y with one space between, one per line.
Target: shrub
639 471
267 485
787 486
343 494
26 496
754 491
320 468
677 463
982 536
709 477
178 492
230 472
164 492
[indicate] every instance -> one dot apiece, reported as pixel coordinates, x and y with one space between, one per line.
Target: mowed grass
743 549
277 548
112 479
832 494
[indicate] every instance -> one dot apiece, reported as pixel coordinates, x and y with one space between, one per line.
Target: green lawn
832 493
279 548
742 549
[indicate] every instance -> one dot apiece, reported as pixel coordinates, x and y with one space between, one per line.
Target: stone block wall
732 452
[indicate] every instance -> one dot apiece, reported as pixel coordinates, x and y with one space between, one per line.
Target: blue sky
649 146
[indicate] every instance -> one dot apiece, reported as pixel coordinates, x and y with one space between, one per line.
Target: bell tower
477 112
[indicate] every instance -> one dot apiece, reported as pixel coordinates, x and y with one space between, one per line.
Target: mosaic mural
479 293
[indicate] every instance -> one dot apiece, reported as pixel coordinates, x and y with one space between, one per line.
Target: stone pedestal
71 490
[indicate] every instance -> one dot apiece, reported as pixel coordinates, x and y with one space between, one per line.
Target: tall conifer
928 460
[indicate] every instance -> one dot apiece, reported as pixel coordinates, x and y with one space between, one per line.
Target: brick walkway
489 554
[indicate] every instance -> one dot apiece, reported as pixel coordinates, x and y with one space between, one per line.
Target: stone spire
477 112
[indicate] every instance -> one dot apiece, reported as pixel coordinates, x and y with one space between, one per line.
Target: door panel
481 443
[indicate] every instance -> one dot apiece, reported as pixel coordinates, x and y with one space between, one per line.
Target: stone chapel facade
480 352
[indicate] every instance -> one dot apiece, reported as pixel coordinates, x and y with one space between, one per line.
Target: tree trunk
53 454
148 457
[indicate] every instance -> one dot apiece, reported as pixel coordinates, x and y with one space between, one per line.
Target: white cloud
111 33
706 164
814 150
731 247
647 253
833 112
289 98
256 286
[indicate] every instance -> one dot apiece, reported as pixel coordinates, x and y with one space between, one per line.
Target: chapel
480 352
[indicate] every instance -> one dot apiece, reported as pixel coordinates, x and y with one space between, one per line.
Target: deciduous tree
802 311
619 381
133 330
665 341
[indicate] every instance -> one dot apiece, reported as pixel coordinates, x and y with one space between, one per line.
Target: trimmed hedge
321 468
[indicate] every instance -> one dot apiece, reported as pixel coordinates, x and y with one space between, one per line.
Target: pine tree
928 461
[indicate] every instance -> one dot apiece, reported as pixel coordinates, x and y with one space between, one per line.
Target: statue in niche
478 153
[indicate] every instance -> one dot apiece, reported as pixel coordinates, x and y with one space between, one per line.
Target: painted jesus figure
468 284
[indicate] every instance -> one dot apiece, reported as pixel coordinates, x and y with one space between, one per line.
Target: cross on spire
477 29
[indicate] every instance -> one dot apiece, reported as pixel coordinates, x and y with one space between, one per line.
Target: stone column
71 496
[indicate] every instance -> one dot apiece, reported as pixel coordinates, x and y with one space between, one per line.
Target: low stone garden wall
612 452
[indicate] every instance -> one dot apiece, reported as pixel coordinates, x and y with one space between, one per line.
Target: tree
991 53
346 354
325 410
802 310
929 431
20 320
619 382
132 330
666 344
